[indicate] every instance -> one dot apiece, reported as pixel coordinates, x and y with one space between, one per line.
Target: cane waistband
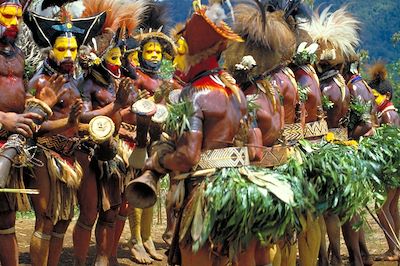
340 134
226 157
60 144
273 156
293 132
316 129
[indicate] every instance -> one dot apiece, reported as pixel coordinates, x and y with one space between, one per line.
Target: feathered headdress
337 34
156 17
121 14
379 79
268 38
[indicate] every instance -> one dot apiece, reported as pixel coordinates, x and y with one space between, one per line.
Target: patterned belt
226 157
340 134
316 129
273 156
60 144
293 132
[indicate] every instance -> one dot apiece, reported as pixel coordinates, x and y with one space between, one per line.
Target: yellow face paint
134 58
65 48
10 14
113 56
152 51
379 98
179 60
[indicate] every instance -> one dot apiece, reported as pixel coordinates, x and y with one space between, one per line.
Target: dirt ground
24 227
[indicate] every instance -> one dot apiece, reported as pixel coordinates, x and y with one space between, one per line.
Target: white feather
301 47
339 28
76 8
216 13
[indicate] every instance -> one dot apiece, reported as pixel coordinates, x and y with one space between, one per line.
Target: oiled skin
57 124
341 105
289 93
220 114
270 118
12 99
313 104
97 100
359 89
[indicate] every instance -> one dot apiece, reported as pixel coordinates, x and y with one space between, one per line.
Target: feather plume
338 30
269 39
275 34
156 16
378 72
118 12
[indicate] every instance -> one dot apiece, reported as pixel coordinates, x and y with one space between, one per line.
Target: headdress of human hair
337 33
121 14
379 78
268 38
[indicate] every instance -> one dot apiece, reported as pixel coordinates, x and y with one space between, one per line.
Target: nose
14 21
68 54
118 62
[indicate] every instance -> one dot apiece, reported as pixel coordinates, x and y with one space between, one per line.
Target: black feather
156 16
263 13
59 3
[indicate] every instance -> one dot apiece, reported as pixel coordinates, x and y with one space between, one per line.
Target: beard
66 66
9 34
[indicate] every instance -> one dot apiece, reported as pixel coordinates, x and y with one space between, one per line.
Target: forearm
107 110
186 155
55 126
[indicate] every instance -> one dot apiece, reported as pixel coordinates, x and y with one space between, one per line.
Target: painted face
134 58
113 57
65 48
152 52
379 98
10 14
179 60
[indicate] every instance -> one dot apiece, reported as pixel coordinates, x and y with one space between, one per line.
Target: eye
8 16
73 49
60 49
114 58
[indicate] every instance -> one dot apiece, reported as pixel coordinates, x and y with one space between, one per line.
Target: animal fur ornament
268 38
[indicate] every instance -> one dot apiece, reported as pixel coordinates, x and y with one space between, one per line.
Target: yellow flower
330 137
351 143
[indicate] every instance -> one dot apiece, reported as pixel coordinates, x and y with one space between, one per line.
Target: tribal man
388 115
14 120
105 93
58 138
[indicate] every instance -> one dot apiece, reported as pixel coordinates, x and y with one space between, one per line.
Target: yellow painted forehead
114 52
152 45
66 42
11 9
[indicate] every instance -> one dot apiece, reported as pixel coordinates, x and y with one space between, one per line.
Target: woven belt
226 157
340 134
293 132
316 129
60 144
273 156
